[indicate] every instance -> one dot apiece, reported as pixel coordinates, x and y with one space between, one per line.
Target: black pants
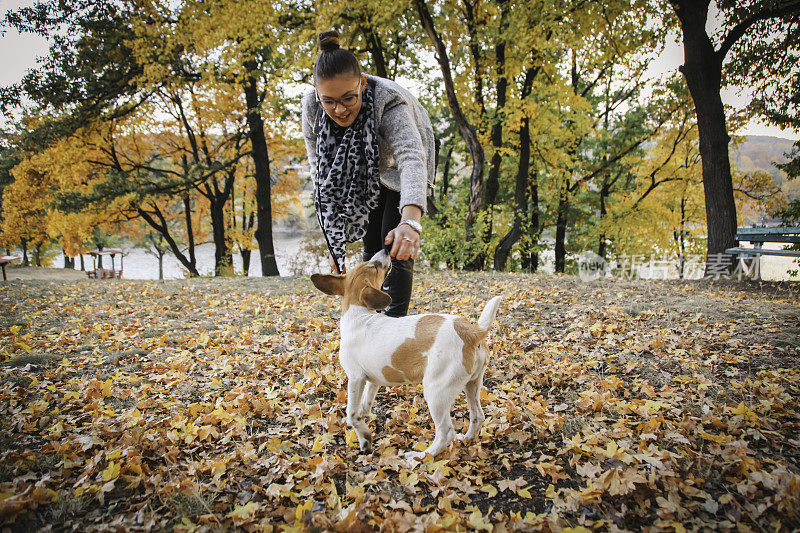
382 220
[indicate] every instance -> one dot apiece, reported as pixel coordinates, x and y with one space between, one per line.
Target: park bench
4 260
757 237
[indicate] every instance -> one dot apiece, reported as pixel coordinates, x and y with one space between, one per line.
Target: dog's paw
414 456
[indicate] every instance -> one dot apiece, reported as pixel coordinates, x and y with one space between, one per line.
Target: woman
371 151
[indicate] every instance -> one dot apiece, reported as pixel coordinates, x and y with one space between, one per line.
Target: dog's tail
489 312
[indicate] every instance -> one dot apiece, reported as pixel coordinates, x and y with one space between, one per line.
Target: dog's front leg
355 416
370 390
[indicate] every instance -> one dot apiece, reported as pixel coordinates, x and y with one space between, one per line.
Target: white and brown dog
444 352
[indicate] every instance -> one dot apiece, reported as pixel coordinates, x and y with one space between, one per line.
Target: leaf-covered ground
212 404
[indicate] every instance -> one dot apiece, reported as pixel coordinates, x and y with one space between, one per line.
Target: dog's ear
329 283
375 299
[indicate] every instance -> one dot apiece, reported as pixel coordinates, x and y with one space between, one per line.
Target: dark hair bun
328 41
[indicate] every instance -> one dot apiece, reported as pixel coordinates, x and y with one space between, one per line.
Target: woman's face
343 88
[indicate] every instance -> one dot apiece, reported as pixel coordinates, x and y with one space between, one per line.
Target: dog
445 353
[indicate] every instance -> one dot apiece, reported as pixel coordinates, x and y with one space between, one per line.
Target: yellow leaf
105 388
205 431
300 511
113 455
357 493
524 493
187 525
434 465
218 468
719 439
352 439
112 471
203 339
477 521
14 329
409 481
490 490
446 521
244 513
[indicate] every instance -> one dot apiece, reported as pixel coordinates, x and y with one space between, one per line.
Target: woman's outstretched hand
405 239
405 242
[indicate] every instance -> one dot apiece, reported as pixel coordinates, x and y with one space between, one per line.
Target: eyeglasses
348 101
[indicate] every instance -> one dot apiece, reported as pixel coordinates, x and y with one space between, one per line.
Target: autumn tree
258 55
89 71
768 30
9 158
163 45
661 208
663 211
465 127
24 217
602 122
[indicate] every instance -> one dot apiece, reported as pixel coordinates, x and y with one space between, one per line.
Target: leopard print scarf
347 183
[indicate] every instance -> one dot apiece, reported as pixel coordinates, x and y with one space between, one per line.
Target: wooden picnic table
4 260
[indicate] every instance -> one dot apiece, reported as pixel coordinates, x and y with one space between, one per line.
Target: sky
19 53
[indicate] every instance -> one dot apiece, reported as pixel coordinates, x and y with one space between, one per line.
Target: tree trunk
702 69
464 127
503 250
69 262
446 175
561 231
37 255
530 260
604 192
25 260
477 57
493 177
83 266
187 211
376 50
520 199
245 253
682 240
263 233
223 258
160 265
244 250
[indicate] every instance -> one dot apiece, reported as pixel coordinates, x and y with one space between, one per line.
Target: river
294 258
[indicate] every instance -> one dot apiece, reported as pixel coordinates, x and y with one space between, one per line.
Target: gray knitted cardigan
405 140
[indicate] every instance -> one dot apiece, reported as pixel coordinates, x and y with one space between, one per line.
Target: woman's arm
400 132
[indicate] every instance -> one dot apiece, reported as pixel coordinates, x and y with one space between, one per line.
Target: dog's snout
382 258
